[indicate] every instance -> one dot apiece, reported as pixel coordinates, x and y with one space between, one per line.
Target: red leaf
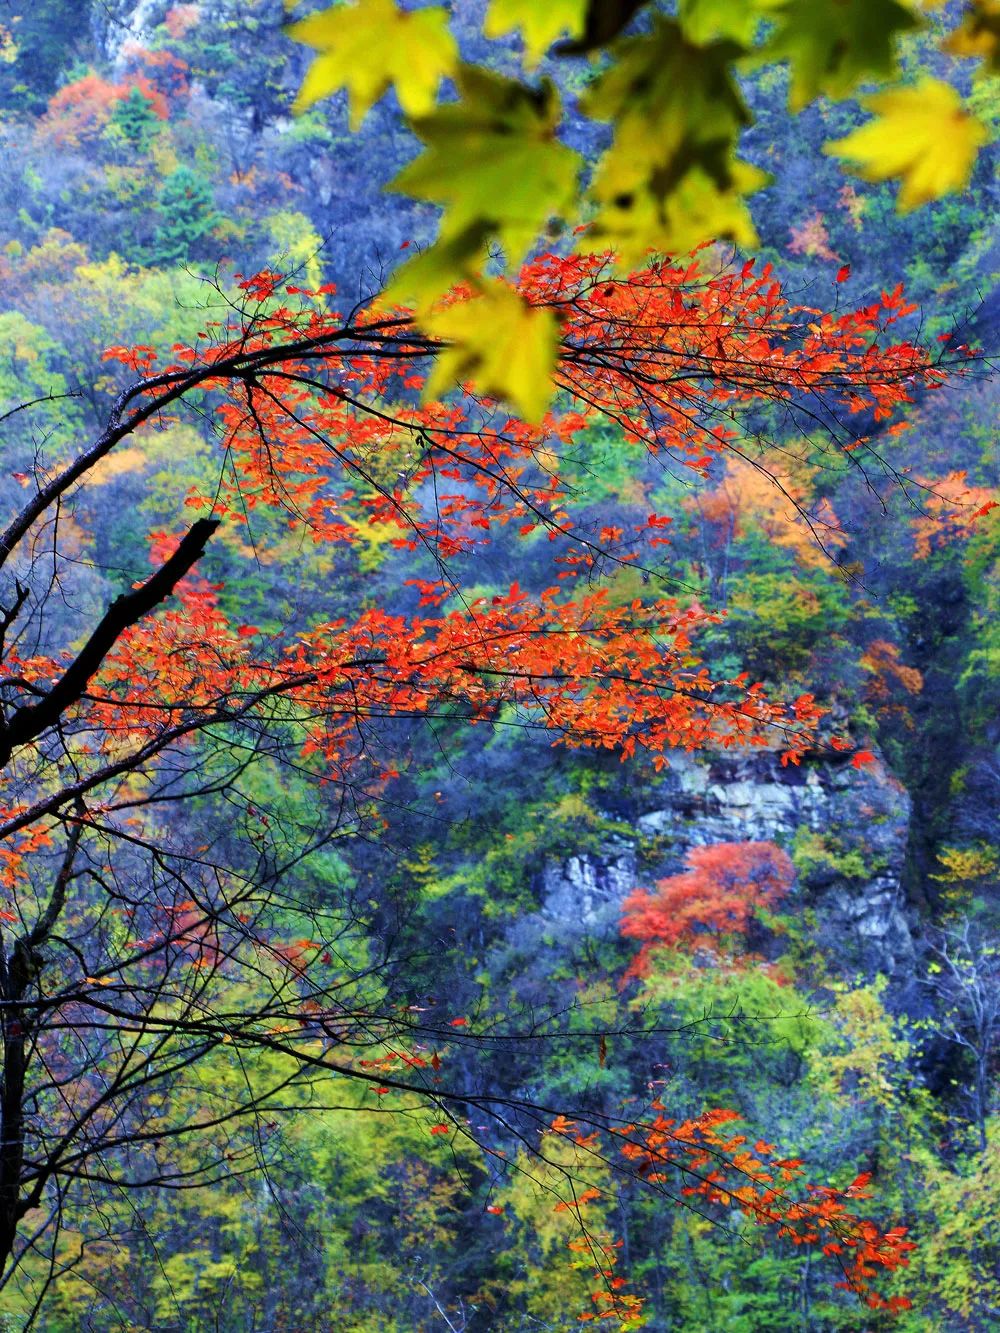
863 757
843 273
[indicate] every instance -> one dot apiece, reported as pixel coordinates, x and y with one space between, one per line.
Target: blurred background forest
149 151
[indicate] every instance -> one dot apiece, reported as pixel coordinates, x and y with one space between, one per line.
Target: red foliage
80 112
159 74
594 673
180 19
320 425
722 1170
711 904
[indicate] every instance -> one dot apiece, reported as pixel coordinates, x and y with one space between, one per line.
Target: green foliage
567 823
187 218
134 120
979 681
955 1271
38 47
735 1014
235 49
31 369
782 617
820 857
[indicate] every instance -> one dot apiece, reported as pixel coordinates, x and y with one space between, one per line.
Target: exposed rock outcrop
845 828
117 22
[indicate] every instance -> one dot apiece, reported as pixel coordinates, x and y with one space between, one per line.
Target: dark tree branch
32 719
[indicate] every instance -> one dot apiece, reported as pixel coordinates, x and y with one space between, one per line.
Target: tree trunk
14 976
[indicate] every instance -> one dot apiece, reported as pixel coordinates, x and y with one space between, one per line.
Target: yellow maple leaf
635 221
540 24
429 275
978 35
670 179
368 46
923 135
501 344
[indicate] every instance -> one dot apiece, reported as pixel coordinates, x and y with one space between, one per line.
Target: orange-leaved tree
154 919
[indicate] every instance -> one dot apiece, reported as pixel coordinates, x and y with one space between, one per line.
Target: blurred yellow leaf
635 221
452 259
705 20
504 346
540 24
671 178
978 35
368 46
923 135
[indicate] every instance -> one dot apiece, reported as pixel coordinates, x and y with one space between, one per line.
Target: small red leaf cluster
722 1169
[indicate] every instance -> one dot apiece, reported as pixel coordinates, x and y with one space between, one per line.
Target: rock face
114 23
586 892
846 830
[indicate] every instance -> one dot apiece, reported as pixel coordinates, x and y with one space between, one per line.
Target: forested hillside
474 871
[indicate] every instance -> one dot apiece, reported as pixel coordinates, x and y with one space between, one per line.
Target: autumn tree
174 771
81 112
712 904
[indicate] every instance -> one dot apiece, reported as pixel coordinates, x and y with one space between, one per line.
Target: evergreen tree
187 217
135 121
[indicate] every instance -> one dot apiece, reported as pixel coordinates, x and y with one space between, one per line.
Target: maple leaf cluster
723 1169
320 421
